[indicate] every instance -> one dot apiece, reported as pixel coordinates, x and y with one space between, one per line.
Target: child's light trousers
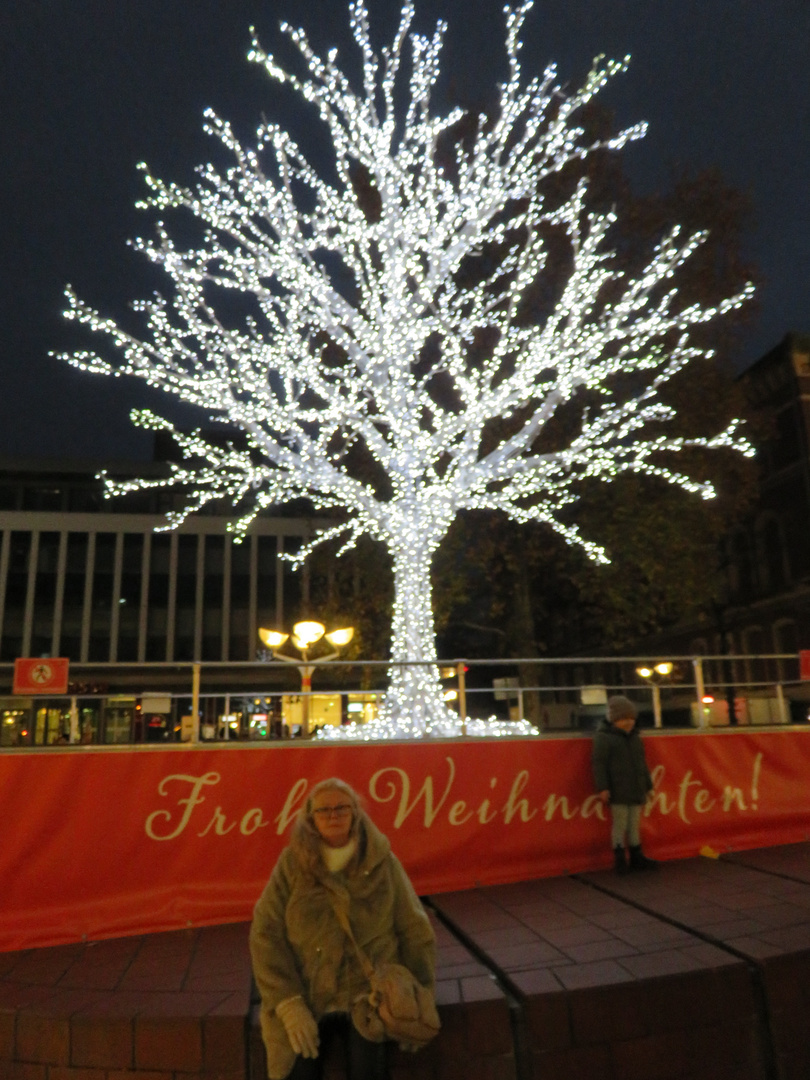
625 822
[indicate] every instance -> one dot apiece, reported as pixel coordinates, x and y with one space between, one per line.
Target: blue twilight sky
90 87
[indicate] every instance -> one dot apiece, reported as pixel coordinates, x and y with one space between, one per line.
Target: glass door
118 720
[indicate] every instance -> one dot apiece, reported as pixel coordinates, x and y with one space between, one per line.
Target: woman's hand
604 796
300 1025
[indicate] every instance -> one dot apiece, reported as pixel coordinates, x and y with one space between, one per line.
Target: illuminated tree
385 369
521 591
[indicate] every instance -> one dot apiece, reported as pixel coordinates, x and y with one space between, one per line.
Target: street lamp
305 634
653 675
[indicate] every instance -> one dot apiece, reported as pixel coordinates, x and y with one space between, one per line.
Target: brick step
608 992
476 1038
154 1007
700 971
754 906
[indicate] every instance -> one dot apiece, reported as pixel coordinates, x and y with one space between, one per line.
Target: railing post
462 696
656 696
700 689
195 703
784 713
306 699
74 720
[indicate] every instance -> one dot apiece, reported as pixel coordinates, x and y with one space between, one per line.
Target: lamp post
653 675
304 635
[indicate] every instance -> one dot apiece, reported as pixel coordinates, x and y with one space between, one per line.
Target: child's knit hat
620 706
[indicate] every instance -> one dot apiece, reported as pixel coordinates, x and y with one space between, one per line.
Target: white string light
448 727
327 278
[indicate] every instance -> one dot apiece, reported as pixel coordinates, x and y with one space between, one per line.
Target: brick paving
790 860
755 905
699 971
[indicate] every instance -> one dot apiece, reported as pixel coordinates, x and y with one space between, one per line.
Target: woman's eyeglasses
324 812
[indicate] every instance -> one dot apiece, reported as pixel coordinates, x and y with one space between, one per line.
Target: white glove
300 1025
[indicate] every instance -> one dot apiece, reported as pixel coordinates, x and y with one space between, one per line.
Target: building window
772 554
239 646
185 616
45 594
213 597
101 607
16 591
129 597
267 564
741 569
70 644
9 497
786 640
158 614
295 584
758 669
42 498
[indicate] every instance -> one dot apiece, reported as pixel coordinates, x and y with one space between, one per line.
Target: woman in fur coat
306 969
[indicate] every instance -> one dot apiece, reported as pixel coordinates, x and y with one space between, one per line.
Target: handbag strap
343 919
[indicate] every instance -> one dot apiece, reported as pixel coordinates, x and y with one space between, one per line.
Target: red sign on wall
38 676
804 663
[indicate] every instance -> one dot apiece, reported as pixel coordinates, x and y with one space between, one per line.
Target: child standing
622 779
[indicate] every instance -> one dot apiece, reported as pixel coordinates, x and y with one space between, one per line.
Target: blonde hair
305 840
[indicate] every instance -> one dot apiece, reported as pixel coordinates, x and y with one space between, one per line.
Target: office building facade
107 588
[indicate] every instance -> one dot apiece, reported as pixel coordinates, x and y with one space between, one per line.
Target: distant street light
654 675
304 635
664 668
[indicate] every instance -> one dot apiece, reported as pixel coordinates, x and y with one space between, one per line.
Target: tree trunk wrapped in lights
386 370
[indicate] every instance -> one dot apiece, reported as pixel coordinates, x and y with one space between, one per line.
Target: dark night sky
90 87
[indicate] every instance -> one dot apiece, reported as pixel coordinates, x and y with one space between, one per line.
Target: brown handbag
397 1006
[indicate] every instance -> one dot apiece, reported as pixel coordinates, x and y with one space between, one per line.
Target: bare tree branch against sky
90 87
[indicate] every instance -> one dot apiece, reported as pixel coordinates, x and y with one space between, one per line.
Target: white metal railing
556 693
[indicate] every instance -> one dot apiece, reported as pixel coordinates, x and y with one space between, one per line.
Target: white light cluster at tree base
449 726
365 334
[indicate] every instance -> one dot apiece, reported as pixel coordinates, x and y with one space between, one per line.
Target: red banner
99 843
37 676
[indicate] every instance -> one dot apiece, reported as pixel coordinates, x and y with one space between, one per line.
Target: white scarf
336 858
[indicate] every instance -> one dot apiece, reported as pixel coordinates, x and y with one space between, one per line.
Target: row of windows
758 563
754 644
84 498
133 596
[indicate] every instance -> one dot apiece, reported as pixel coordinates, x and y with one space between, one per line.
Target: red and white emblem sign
38 676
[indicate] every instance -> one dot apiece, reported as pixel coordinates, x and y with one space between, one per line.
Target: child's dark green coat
619 765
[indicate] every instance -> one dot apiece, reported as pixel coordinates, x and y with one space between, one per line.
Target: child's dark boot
620 861
639 861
